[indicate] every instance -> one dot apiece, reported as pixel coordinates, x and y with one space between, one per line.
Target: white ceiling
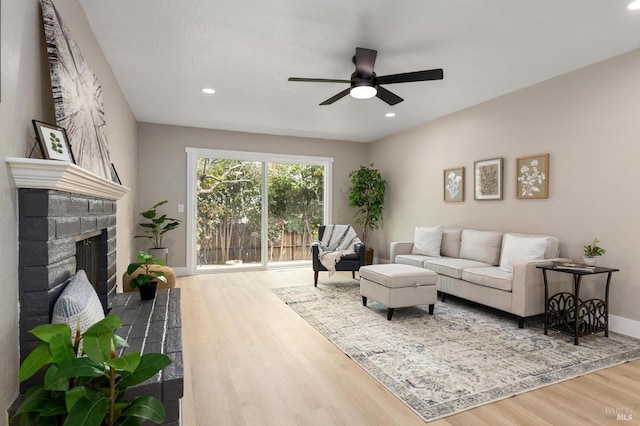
164 51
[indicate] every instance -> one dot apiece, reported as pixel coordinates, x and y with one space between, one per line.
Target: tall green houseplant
157 225
367 195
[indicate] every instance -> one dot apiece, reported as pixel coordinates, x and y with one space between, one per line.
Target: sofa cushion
451 242
518 249
483 246
553 244
489 277
451 266
413 259
78 305
427 241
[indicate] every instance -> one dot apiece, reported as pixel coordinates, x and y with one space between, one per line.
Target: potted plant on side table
591 251
147 279
367 195
155 228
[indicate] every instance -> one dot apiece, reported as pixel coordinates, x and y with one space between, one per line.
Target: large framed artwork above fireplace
66 222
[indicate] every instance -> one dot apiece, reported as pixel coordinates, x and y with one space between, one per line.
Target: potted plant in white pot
367 195
591 251
156 226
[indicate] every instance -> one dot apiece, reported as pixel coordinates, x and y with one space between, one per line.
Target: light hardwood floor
250 360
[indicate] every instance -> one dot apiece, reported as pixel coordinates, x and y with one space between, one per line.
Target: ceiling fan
365 84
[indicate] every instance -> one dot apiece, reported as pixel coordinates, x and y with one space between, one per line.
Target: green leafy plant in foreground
85 384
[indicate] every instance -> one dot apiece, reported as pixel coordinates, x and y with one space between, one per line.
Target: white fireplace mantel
62 176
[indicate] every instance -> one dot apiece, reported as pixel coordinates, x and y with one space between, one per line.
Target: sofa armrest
528 286
399 247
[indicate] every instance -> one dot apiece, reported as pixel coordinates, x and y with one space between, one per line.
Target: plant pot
148 291
368 256
589 260
160 253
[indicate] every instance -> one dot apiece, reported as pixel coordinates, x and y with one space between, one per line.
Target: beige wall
587 120
26 95
162 160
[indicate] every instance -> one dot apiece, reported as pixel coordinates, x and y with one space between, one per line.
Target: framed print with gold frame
453 185
532 176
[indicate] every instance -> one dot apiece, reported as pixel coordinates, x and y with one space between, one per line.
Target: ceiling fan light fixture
363 92
634 5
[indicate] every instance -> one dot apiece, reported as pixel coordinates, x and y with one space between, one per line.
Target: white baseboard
181 271
625 326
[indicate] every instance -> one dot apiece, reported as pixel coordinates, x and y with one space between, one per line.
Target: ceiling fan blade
387 96
407 77
319 80
340 95
365 60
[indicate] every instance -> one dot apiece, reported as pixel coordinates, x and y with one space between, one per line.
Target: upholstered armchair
351 262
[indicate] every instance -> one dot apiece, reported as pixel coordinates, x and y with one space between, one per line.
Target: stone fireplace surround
59 204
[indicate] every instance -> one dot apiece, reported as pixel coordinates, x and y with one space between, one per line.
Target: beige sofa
488 267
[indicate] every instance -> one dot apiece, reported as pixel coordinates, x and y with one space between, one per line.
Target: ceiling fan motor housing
360 80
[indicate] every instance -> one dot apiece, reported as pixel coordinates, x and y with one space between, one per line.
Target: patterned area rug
461 357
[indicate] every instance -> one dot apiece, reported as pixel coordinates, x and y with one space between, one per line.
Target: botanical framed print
53 142
454 184
488 179
532 176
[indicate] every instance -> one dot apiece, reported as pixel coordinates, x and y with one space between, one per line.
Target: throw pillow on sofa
78 305
521 250
427 241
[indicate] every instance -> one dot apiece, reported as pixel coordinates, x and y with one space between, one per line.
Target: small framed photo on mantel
53 142
454 185
488 179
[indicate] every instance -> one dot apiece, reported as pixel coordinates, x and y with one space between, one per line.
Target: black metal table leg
546 302
606 305
576 301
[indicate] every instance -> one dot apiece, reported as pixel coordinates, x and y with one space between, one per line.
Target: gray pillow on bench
78 304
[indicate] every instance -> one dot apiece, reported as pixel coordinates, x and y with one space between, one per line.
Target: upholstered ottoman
398 286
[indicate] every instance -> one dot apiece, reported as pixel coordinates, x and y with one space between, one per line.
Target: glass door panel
296 209
229 213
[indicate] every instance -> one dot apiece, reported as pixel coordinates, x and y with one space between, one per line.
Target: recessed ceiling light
390 114
208 90
634 5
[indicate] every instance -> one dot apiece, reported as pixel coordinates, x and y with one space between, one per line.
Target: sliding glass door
253 210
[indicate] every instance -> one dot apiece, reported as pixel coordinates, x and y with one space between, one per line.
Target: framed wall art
532 176
77 95
53 142
488 179
454 184
114 175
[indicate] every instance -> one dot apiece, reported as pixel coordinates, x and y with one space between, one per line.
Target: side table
567 313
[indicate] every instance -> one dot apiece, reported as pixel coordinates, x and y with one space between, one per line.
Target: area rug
461 357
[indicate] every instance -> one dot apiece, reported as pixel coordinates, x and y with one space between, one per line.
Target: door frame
191 223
